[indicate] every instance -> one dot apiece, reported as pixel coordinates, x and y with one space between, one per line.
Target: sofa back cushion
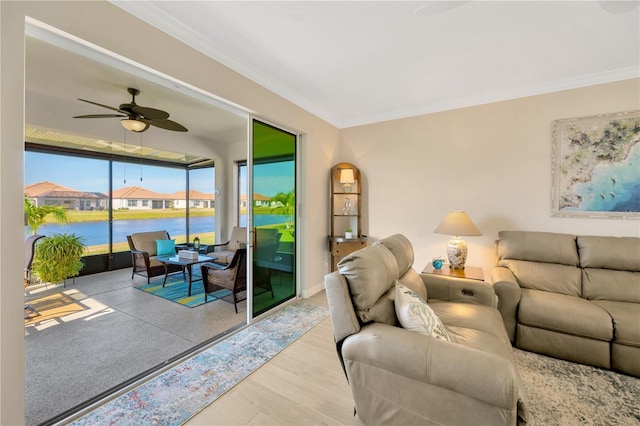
541 260
551 277
621 253
146 241
238 235
371 273
545 247
611 268
402 250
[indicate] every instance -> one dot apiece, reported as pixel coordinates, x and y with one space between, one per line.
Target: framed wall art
596 166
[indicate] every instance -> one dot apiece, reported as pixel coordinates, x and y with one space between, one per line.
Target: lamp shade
457 222
134 125
346 176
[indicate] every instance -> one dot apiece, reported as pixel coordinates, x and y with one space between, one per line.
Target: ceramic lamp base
457 253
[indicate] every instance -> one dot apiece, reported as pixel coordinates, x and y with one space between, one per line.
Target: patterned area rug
565 393
177 289
179 393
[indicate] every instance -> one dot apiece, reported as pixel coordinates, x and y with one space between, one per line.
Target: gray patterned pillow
414 314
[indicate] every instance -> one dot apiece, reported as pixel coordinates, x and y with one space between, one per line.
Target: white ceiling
358 62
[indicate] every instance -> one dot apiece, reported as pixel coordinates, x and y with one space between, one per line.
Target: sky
92 175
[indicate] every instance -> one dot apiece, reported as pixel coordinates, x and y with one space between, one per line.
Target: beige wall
494 161
107 26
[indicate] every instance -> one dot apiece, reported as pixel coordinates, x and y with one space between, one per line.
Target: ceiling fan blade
150 113
167 125
101 105
99 116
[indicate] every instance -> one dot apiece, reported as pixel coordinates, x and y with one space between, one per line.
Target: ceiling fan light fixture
134 125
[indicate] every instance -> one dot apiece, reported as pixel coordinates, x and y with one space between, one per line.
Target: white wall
494 161
107 26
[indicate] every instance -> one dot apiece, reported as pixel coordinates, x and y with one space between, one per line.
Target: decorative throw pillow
414 314
165 247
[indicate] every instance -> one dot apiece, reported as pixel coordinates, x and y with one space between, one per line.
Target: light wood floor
302 385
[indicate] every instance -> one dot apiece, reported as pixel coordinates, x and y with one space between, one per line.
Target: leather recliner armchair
398 376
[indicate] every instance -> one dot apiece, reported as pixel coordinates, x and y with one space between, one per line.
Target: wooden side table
469 272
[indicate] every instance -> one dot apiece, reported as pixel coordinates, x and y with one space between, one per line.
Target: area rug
177 290
564 393
177 394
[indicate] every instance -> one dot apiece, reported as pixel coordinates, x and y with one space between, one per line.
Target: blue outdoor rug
177 394
177 289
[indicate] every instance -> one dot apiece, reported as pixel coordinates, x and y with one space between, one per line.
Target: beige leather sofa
572 297
402 377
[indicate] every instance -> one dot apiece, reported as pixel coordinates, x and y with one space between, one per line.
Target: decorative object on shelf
348 233
347 207
437 262
457 223
346 177
196 243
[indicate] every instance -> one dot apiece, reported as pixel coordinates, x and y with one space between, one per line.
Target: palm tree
285 204
36 214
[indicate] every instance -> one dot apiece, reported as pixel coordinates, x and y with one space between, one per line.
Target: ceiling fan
137 118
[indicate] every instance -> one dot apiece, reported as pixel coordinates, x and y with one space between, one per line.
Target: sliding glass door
272 215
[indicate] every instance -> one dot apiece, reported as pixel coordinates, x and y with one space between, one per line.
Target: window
78 184
145 197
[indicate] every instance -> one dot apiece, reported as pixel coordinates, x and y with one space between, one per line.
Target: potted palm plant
35 216
58 257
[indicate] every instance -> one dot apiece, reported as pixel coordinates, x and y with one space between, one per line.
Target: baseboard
310 291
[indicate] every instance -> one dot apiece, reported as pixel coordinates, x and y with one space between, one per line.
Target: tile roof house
197 199
135 197
51 194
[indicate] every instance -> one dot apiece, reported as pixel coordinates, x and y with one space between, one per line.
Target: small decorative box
188 254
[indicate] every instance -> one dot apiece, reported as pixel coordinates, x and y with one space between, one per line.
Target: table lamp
457 223
346 177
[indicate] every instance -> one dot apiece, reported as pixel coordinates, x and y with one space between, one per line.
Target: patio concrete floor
110 333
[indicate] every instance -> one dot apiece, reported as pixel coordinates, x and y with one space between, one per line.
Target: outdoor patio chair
224 252
29 254
143 255
232 276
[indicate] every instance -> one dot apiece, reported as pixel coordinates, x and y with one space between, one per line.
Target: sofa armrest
457 368
453 289
217 247
140 258
508 290
343 315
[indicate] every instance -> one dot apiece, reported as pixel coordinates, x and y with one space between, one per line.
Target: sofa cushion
414 282
146 241
370 273
538 247
471 316
401 249
626 321
414 314
552 277
621 253
224 256
564 314
609 284
165 247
